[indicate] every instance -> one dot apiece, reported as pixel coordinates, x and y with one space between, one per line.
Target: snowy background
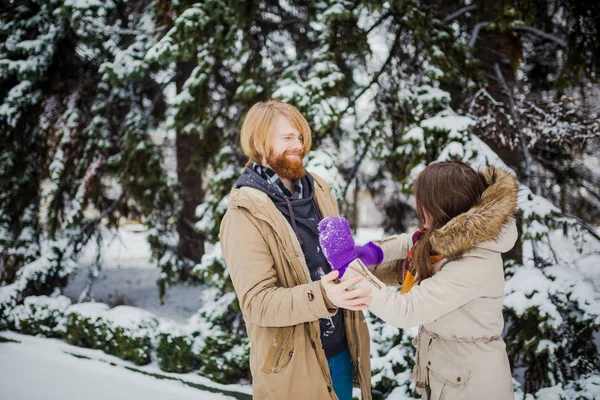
119 143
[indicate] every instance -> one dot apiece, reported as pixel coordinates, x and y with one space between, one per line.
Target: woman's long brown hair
445 189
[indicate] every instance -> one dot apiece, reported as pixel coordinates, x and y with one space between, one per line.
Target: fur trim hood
484 222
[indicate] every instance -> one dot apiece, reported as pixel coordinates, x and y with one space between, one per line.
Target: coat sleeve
389 272
456 284
251 267
395 247
395 250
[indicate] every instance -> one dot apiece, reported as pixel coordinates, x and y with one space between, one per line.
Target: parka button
458 379
310 295
329 389
292 352
428 362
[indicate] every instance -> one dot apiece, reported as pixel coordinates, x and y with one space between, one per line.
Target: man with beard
302 345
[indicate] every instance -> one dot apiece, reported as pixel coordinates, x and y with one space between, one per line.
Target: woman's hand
370 254
340 295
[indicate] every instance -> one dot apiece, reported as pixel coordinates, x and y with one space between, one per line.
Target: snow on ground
128 277
48 369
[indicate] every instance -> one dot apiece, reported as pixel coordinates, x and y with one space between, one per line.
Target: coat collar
261 206
259 203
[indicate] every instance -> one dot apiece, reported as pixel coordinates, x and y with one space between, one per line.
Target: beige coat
460 352
280 304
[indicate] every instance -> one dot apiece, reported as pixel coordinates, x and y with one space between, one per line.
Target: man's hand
339 294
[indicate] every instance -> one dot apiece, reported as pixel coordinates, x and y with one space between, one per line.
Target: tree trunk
503 48
191 242
516 253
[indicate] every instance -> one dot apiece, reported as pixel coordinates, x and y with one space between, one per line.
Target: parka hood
489 224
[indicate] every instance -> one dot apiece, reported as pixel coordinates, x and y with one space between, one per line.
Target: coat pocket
447 377
281 351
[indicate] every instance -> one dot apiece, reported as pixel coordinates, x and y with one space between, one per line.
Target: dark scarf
270 176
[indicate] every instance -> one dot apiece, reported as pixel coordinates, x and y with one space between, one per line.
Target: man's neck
288 184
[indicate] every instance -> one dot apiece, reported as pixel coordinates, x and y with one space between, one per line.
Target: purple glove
337 243
370 254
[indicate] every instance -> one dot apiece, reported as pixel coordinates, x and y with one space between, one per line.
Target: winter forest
120 116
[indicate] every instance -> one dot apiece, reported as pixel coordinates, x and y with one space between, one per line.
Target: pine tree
87 131
30 36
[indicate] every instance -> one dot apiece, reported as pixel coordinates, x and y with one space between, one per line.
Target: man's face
286 150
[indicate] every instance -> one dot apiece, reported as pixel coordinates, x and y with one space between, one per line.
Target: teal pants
340 367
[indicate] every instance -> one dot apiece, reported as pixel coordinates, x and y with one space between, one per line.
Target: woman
467 222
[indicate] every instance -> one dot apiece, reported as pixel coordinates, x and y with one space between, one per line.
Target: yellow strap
409 282
409 279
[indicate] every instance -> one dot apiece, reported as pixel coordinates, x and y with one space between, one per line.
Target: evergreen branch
459 12
121 31
545 35
354 171
369 140
585 226
93 272
87 231
379 22
526 152
482 91
376 77
287 19
588 189
549 242
559 168
474 36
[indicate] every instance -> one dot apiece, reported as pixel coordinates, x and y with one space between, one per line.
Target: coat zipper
362 270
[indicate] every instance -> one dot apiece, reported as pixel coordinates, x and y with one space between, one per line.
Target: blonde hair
255 136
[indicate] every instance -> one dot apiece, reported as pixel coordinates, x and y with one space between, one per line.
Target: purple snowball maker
337 243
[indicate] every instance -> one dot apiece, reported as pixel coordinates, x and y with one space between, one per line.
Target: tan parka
281 305
460 351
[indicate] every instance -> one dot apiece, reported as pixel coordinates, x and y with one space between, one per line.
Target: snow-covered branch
474 36
540 33
375 77
378 22
585 226
459 12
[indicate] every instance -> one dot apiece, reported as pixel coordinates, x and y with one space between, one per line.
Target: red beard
287 168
